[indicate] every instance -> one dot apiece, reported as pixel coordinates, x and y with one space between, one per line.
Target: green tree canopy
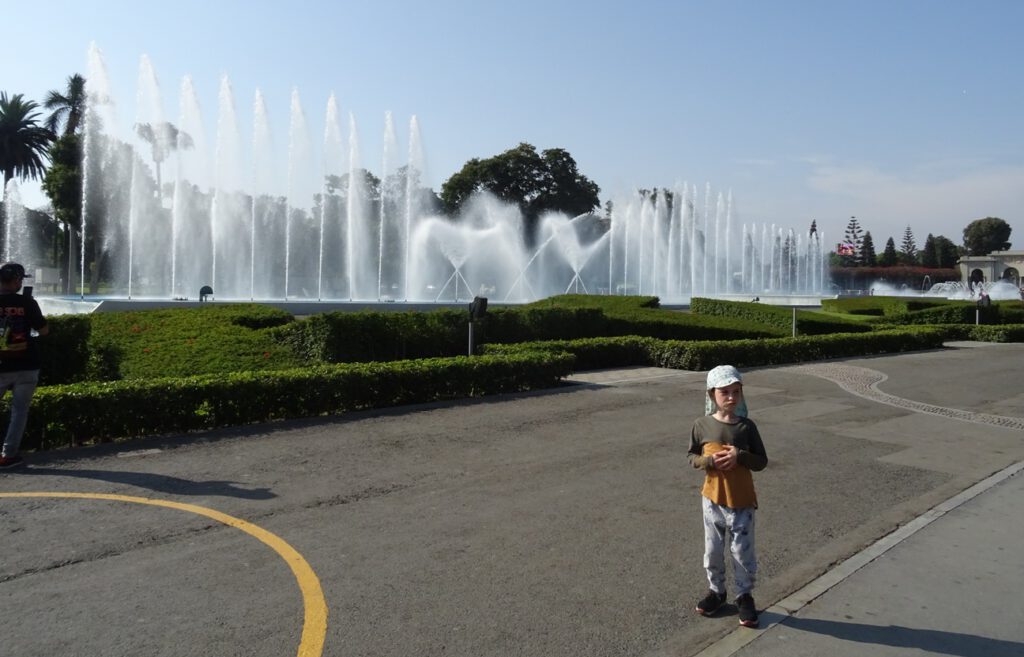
162 139
63 181
889 257
854 238
24 143
67 106
929 256
946 252
908 248
867 251
536 182
983 236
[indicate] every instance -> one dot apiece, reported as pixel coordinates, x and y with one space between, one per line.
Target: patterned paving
864 382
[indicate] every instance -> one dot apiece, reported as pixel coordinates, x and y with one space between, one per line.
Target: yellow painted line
314 627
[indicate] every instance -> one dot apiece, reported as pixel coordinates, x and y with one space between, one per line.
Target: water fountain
175 214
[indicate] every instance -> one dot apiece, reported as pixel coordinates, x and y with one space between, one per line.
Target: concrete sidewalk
945 584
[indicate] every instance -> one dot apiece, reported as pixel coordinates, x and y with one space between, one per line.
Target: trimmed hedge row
339 337
702 355
954 312
779 317
85 412
878 306
214 338
64 353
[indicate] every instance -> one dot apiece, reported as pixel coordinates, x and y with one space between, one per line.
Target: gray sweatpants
22 384
739 523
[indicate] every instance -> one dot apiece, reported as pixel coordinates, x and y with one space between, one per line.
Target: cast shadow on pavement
160 483
933 641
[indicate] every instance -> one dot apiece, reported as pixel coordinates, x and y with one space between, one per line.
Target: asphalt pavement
561 522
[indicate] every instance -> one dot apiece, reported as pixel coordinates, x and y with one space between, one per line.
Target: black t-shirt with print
18 316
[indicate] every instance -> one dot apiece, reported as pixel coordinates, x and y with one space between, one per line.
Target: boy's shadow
161 483
897 636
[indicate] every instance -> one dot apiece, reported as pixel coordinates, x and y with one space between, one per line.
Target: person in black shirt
20 317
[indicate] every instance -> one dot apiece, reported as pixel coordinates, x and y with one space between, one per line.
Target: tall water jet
333 159
328 229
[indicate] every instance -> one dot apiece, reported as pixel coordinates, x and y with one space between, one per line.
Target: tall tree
908 248
67 107
983 236
867 251
24 143
536 182
929 255
853 240
162 139
63 184
889 257
946 252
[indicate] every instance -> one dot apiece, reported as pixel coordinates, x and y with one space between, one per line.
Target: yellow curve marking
314 627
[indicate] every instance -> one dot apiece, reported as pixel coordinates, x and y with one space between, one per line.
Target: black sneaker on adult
711 603
10 462
747 610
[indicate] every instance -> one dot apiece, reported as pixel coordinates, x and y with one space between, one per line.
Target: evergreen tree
889 257
853 239
867 251
929 255
946 252
908 249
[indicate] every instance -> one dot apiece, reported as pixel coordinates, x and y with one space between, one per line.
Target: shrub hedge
64 353
878 305
214 338
595 353
85 412
779 317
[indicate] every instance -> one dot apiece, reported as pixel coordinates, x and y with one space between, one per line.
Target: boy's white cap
723 375
720 377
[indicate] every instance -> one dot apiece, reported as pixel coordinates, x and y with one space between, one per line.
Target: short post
477 310
794 321
977 316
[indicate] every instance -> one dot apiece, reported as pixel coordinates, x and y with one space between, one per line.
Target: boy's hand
725 459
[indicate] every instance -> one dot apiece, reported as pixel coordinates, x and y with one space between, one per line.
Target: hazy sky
898 112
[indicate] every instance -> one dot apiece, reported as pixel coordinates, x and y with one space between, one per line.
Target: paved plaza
561 522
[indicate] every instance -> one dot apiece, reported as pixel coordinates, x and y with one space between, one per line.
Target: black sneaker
10 462
711 603
747 609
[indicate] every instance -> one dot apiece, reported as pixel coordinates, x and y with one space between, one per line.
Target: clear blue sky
900 112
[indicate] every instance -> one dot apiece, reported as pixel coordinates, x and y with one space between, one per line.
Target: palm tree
68 106
24 143
163 138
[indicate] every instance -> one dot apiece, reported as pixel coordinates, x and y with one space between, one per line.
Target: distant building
990 268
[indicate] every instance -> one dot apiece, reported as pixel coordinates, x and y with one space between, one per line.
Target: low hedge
85 412
365 336
639 315
704 354
879 306
64 353
590 353
214 338
778 317
952 312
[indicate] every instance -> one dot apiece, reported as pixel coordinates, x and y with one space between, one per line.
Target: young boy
727 447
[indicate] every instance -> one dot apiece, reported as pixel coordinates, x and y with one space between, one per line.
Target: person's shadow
932 641
160 483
